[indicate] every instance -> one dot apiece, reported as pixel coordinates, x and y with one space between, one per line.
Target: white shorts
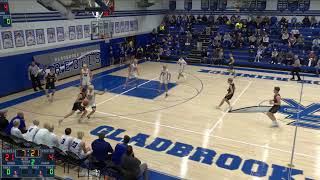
86 82
133 76
164 81
181 70
92 104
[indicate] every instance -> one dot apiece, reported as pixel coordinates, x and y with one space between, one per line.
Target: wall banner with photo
86 31
94 30
111 28
19 38
51 35
69 62
7 40
72 33
60 34
30 37
122 28
117 27
40 37
79 31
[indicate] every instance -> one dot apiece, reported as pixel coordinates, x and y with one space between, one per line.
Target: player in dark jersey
80 105
276 102
231 65
50 79
229 95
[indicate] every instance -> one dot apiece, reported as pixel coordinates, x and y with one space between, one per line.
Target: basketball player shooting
229 95
164 78
276 102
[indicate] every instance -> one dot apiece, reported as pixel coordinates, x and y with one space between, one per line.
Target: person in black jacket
3 120
132 167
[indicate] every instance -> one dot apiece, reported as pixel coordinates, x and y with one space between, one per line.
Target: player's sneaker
274 124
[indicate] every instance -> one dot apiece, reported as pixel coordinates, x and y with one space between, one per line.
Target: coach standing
296 68
33 74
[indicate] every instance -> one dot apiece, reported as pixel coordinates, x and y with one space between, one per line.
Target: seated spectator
3 120
289 58
312 59
120 150
15 131
32 131
101 149
132 166
139 53
227 38
251 52
78 146
22 126
259 54
274 56
306 21
65 140
285 37
218 37
313 21
265 40
295 32
300 42
316 43
252 40
204 55
292 41
281 57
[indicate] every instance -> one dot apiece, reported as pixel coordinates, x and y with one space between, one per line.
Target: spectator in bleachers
259 54
312 59
65 140
32 131
265 40
22 126
139 53
3 120
316 43
132 166
239 40
252 39
294 21
227 40
52 139
251 53
101 149
111 55
292 41
295 32
306 21
285 37
274 56
218 37
120 150
283 23
204 55
313 21
289 58
78 146
300 42
15 129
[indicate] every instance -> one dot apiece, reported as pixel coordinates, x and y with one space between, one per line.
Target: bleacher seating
202 39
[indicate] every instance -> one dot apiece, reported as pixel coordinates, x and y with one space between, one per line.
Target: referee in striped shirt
33 74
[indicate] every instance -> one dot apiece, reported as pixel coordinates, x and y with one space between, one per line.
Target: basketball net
98 15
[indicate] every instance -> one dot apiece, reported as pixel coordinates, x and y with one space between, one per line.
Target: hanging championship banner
69 62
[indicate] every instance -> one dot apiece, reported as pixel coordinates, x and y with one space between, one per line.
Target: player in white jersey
182 64
79 147
133 73
164 78
42 132
91 96
85 77
51 139
32 131
65 140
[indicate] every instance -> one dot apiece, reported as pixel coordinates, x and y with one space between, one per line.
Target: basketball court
184 135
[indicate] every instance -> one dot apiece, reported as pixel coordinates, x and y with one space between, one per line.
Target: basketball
85 102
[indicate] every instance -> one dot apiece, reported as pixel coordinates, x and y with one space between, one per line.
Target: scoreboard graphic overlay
5 17
27 163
